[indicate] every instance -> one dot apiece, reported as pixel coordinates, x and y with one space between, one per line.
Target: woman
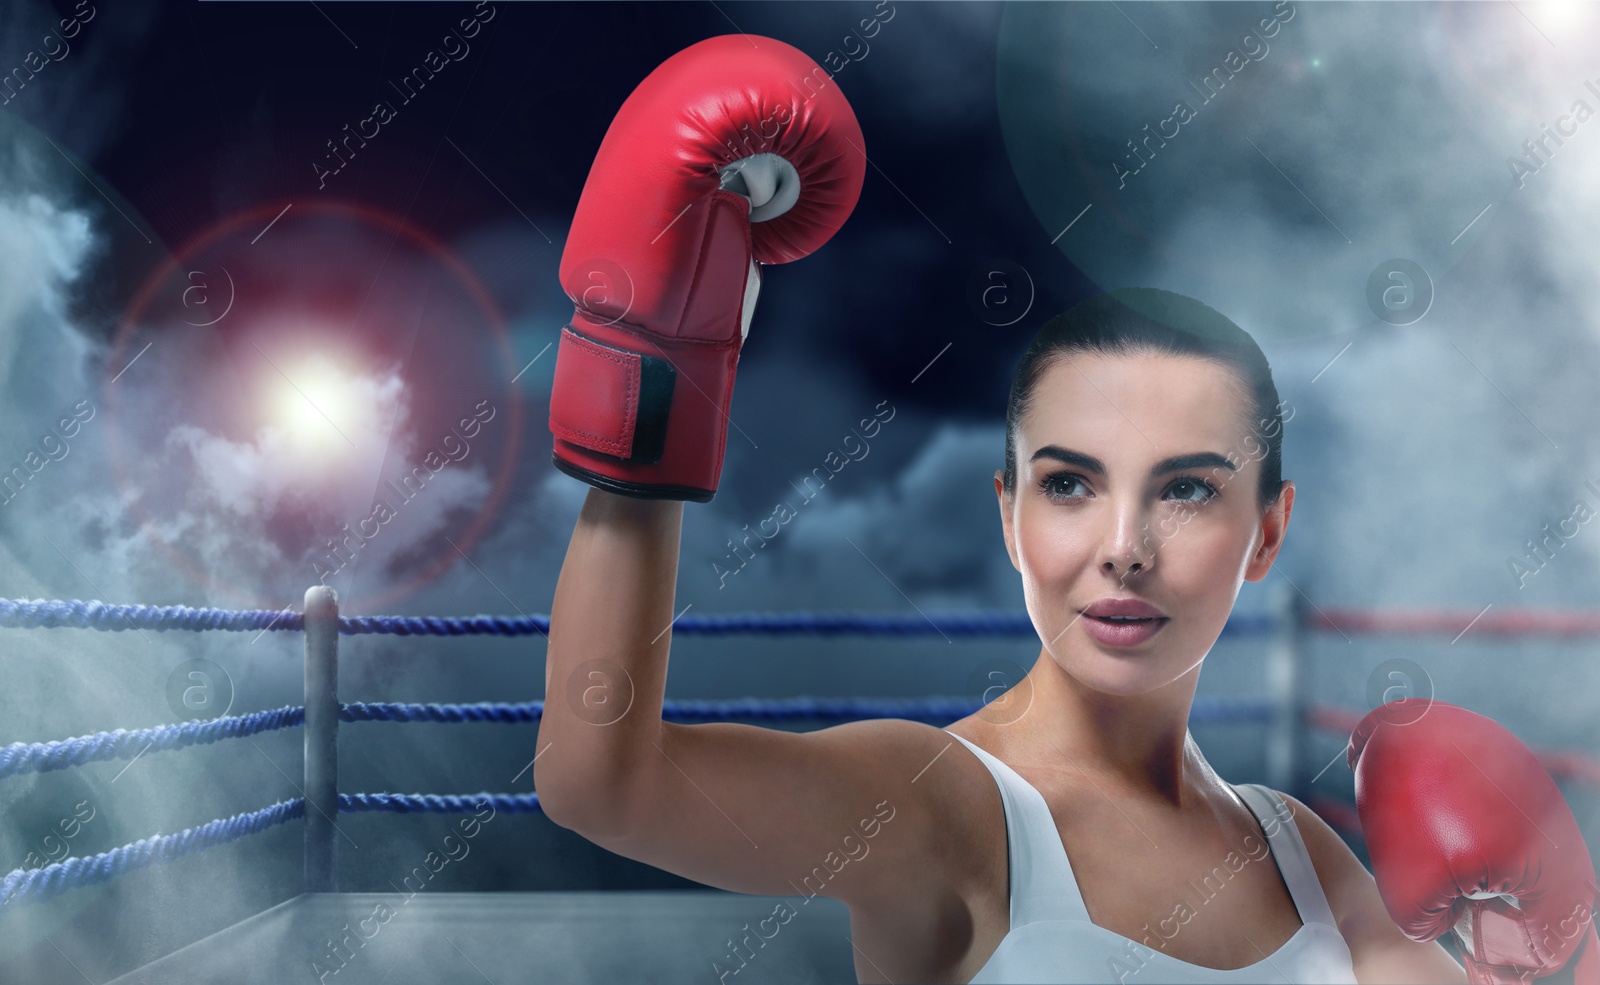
1077 835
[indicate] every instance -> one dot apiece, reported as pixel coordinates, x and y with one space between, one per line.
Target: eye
1188 489
1058 485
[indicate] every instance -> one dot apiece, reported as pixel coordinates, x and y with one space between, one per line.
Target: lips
1123 622
1113 610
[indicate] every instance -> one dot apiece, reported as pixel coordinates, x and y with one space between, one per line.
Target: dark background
1426 453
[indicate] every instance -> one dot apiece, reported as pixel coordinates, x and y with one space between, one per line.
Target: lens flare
323 411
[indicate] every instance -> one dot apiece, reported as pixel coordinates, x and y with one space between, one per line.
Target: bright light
1560 15
321 409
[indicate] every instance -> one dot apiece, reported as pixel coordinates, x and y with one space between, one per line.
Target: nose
1125 551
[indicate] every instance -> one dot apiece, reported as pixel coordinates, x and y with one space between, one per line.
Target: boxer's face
1127 525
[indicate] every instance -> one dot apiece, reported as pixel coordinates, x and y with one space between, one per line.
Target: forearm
606 663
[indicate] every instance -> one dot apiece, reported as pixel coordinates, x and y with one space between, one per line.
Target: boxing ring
561 936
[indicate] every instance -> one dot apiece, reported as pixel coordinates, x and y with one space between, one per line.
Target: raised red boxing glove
735 152
1467 832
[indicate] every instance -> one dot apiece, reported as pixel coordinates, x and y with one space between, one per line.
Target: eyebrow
1177 463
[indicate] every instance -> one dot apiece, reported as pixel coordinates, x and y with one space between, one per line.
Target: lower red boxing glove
1468 832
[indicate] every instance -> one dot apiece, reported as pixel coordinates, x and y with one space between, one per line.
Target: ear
1007 527
1273 526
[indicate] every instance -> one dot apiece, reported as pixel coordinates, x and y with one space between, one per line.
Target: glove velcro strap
610 400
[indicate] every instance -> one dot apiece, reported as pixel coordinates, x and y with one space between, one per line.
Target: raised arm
606 665
735 152
743 808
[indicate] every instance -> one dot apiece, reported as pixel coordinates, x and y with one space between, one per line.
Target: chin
1124 671
1121 672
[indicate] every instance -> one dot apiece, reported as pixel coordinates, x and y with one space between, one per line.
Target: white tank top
1052 939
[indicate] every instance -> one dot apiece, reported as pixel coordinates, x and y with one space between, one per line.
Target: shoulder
944 826
1351 892
912 756
1379 949
961 823
1322 842
1338 870
947 794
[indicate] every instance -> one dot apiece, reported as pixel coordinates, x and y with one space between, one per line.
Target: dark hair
1142 319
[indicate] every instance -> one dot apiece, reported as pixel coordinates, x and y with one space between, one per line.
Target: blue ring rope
42 884
1205 710
930 709
77 614
437 803
38 885
945 709
57 613
509 714
42 757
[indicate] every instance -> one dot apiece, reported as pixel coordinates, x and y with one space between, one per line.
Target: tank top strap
1289 851
1042 885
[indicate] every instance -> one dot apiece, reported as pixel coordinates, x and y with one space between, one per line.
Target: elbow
560 799
596 789
557 807
590 809
592 822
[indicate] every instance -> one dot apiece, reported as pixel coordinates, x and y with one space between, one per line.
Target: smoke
1426 454
1432 439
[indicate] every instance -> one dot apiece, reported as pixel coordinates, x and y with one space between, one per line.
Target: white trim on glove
771 185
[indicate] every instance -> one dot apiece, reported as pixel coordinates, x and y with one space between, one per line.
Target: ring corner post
322 737
1285 668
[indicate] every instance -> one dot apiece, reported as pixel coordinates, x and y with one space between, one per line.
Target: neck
1137 744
